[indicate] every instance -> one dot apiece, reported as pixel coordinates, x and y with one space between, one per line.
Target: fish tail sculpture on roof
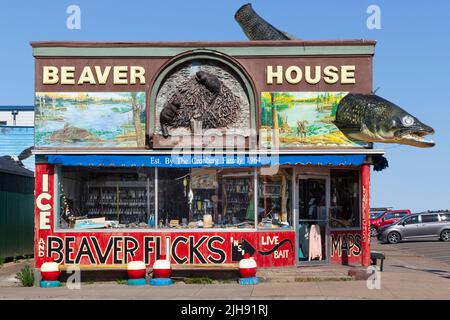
256 28
365 117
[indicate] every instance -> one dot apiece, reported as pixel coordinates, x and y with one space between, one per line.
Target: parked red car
384 219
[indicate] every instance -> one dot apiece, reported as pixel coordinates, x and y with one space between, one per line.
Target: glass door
312 228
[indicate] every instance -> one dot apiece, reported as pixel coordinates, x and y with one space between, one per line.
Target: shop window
97 198
274 200
205 198
345 199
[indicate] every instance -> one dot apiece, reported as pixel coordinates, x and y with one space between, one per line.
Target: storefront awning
323 160
203 160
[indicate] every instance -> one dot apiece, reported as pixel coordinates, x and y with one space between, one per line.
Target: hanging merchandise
185 182
334 198
303 236
315 243
191 196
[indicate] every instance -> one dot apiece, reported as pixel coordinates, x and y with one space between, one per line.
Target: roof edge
108 44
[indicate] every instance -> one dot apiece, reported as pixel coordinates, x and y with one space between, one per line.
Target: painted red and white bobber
136 269
161 268
247 266
50 271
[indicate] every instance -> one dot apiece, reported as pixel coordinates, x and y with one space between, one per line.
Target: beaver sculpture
203 98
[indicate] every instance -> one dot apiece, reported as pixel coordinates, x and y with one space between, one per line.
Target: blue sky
411 66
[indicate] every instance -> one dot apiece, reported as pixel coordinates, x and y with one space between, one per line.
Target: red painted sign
95 248
269 248
346 247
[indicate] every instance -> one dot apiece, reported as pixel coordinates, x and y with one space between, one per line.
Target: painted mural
303 119
90 119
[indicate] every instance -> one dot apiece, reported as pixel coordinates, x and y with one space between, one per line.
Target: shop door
312 228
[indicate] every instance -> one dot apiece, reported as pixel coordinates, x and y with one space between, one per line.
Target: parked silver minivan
418 226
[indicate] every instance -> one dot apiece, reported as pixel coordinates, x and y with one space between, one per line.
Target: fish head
398 126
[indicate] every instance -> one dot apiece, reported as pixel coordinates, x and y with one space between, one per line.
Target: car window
411 220
376 215
445 217
399 215
429 218
389 216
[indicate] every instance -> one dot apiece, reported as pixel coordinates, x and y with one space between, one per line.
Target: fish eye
408 120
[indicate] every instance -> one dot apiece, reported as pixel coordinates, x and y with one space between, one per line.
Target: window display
96 198
274 200
205 198
312 219
104 198
345 193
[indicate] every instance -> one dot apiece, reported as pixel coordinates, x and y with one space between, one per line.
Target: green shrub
26 276
198 280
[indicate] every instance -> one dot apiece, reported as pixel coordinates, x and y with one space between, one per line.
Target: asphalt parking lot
433 249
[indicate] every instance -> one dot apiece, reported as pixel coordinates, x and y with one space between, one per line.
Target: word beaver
365 117
202 98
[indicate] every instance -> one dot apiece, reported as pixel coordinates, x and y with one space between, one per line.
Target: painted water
103 124
312 114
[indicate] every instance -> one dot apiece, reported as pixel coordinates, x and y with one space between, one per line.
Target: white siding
24 118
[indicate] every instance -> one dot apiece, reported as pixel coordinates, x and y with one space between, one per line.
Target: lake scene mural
90 119
302 119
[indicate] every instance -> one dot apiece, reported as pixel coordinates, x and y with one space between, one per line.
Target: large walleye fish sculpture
374 119
364 117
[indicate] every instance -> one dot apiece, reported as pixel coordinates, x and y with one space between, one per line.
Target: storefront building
200 151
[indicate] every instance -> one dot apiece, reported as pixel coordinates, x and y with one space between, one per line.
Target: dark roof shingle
7 165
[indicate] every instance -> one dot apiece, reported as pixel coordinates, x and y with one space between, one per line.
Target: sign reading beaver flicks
118 247
183 248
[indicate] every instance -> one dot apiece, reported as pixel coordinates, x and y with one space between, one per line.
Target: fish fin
347 128
379 163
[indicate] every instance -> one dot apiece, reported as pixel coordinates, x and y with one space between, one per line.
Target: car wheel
393 237
373 231
445 235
